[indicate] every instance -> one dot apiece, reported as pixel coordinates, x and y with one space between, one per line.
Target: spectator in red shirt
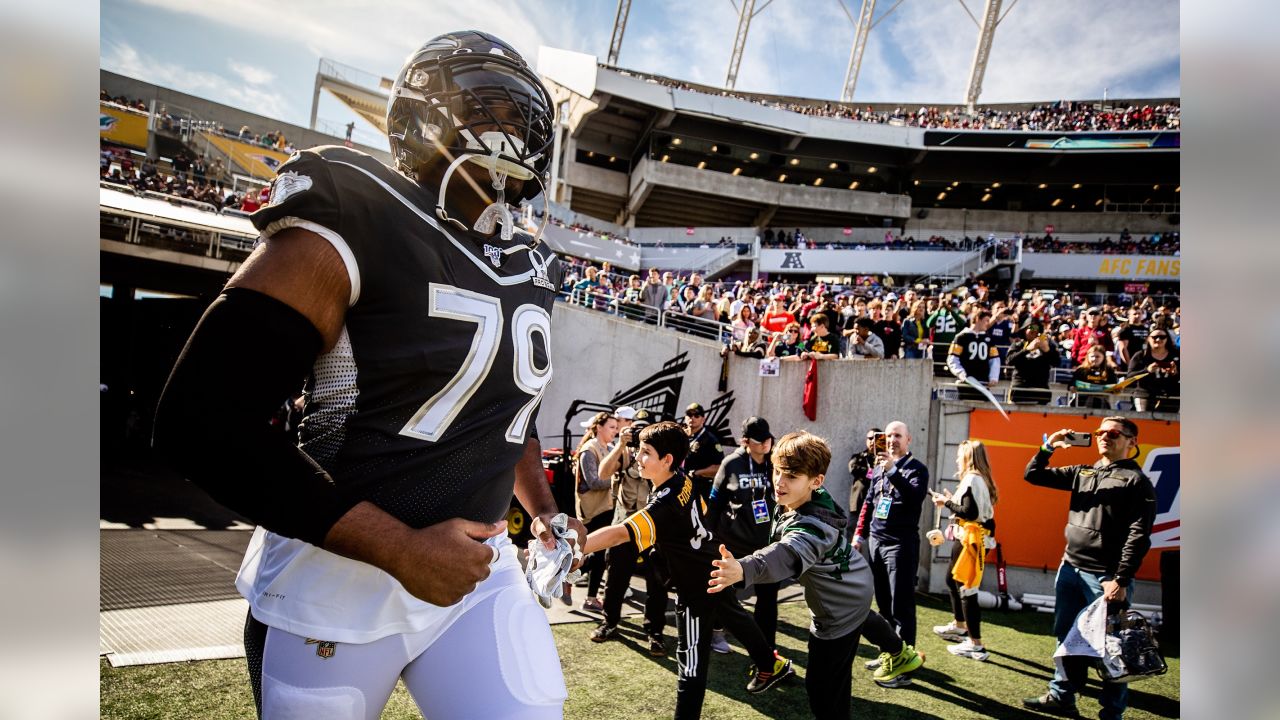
1091 332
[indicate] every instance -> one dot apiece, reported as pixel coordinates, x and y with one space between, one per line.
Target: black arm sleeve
247 355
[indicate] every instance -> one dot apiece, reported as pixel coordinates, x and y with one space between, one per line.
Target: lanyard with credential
759 508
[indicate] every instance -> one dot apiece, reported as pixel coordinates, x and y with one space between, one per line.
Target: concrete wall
1007 222
768 192
595 355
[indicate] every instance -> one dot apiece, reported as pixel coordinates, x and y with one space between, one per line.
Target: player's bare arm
535 496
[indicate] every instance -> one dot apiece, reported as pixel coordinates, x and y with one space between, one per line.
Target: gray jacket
809 544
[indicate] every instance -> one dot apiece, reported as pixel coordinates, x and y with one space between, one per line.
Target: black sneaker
765 680
604 631
657 648
1047 703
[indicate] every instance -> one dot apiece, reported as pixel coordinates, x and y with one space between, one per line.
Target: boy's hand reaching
727 573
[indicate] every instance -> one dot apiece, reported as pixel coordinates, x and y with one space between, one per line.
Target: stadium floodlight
872 169
1056 202
782 177
737 171
619 27
942 195
986 197
1076 186
1042 186
817 182
702 164
854 185
995 184
666 158
831 166
796 161
676 141
754 155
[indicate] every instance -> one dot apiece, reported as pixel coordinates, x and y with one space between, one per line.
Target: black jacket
738 484
1112 509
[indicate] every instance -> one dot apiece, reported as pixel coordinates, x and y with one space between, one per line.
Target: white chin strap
498 212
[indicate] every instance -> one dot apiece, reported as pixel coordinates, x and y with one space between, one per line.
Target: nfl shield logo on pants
324 648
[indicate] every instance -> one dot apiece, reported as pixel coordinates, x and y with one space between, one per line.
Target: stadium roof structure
643 150
364 93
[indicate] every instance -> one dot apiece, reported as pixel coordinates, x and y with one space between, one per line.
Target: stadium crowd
1060 116
1031 334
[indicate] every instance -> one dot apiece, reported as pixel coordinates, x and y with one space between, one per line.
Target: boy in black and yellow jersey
674 520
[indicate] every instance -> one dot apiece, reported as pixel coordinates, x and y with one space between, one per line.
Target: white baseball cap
626 412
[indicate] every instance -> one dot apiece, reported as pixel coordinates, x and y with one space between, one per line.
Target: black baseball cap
756 428
695 410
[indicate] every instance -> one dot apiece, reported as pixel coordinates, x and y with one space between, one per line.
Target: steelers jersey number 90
433 419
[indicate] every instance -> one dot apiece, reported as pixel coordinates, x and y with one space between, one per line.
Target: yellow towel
973 555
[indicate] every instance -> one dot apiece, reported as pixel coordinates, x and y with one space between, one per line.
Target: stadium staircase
978 262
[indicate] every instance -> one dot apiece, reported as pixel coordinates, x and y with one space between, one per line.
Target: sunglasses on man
1109 434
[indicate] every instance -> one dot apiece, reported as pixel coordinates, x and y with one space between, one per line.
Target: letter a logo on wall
793 260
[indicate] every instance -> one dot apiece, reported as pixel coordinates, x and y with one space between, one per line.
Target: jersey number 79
433 419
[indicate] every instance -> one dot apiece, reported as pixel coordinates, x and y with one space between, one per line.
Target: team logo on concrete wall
658 393
793 260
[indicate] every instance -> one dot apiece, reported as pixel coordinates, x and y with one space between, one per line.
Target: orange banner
1030 519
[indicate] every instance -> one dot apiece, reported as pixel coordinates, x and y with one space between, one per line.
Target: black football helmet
470 94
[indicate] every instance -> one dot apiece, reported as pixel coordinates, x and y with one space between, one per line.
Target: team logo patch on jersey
324 648
287 184
662 492
494 254
540 271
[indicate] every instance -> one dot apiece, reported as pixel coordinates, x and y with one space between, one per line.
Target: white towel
547 569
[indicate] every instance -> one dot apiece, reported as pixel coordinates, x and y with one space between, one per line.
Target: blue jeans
1073 591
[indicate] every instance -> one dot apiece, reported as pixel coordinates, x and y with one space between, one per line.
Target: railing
986 256
355 76
1155 208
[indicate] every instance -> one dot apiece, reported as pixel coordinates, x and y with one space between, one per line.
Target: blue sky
262 56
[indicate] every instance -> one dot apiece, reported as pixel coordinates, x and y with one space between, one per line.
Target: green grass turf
618 679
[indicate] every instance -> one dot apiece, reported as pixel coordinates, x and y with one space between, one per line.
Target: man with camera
630 493
1113 506
890 515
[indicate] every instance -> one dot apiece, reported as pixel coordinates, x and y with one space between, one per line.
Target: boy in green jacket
809 544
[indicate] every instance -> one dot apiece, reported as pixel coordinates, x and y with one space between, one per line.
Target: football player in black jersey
973 353
419 319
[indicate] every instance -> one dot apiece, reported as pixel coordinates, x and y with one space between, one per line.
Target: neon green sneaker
892 666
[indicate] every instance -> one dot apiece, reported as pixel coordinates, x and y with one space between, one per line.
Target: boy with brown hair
674 520
809 544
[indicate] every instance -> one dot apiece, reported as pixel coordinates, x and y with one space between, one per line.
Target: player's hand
728 571
941 498
442 563
856 543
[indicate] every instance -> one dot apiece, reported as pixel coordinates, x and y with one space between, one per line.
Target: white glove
547 569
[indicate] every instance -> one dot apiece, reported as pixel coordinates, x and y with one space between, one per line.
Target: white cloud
251 74
378 39
124 59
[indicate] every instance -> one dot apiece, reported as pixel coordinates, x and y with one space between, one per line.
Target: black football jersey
975 351
424 405
675 521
